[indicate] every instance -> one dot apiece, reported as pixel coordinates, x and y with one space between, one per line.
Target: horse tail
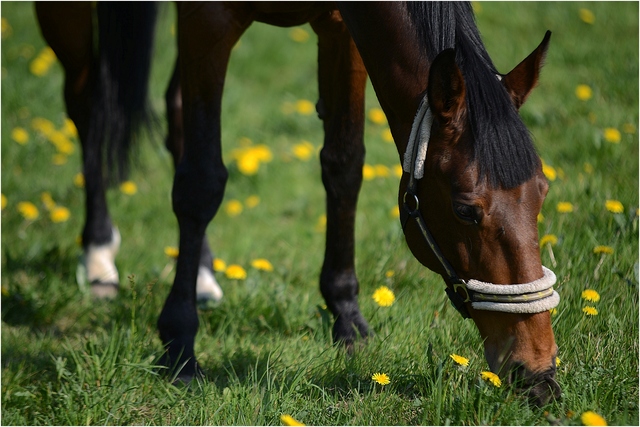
121 107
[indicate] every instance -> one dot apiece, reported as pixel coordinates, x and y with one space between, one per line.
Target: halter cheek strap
533 297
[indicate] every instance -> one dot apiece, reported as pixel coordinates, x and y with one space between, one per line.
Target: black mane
503 146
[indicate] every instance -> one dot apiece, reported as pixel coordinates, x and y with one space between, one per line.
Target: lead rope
533 297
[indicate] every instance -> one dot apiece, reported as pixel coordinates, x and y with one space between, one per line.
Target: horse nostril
540 387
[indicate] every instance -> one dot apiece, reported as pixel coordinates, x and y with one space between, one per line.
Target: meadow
266 347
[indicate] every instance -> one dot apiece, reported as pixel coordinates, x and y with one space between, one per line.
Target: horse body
482 186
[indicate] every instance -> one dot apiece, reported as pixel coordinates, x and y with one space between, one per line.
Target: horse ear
446 89
522 79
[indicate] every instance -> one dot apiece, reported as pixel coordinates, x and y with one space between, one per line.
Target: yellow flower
376 115
394 212
557 361
6 29
303 151
171 251
233 208
397 171
3 203
248 158
554 311
462 361
252 201
590 418
386 135
305 107
382 171
247 163
612 135
129 188
550 239
586 16
41 64
69 128
491 377
234 271
583 92
219 265
43 126
288 420
389 273
564 207
590 295
47 200
262 264
299 35
590 311
384 296
59 159
381 378
20 135
28 210
368 172
549 172
588 168
540 217
78 180
321 225
59 214
601 249
61 142
614 206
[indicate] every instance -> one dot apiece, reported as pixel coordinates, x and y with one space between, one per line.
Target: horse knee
198 192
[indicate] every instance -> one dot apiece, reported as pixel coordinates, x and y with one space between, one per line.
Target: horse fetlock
99 264
207 288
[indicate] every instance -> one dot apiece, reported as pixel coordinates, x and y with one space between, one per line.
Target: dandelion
554 311
612 135
386 135
59 214
540 217
41 64
59 159
368 172
129 188
394 212
590 311
381 378
20 135
219 265
252 201
299 35
601 249
382 171
614 206
247 163
384 296
586 16
303 150
583 92
78 180
28 210
321 224
376 115
549 172
558 361
288 420
43 126
590 418
3 201
47 200
262 264
491 378
564 207
549 239
171 251
590 295
397 171
305 107
69 128
389 274
236 272
233 208
462 361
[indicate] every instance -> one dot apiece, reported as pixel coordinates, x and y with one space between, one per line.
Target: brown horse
472 187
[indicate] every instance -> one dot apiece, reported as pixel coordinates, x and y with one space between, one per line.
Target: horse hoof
100 290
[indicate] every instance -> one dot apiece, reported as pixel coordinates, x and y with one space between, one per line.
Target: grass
266 347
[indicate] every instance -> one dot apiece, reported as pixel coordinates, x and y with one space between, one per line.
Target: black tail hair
120 106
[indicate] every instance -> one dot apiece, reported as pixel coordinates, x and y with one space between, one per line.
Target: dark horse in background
472 187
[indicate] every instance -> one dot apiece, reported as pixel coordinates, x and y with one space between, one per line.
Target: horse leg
67 28
207 32
207 288
342 79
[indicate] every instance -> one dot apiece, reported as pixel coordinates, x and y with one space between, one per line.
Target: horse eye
466 213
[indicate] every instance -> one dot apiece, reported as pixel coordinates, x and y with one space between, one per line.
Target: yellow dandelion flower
590 311
262 264
629 128
491 378
303 150
59 159
614 206
252 201
219 265
549 172
233 208
305 107
554 311
171 251
382 171
299 35
262 153
612 135
386 135
368 172
288 420
550 239
78 180
28 210
583 92
42 63
59 214
477 7
3 201
389 273
601 249
20 135
558 364
236 272
540 217
381 378
384 296
394 212
321 224
42 125
69 128
129 188
47 200
247 163
397 171
590 418
586 16
590 295
460 360
564 207
376 115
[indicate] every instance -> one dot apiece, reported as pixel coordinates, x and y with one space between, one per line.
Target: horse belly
289 14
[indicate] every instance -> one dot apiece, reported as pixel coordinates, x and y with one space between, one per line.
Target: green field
266 347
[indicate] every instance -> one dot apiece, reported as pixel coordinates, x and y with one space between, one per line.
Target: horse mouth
540 388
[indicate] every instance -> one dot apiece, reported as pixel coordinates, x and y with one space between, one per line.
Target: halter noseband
532 297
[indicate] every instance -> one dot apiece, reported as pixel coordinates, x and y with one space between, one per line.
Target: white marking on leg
99 261
207 287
